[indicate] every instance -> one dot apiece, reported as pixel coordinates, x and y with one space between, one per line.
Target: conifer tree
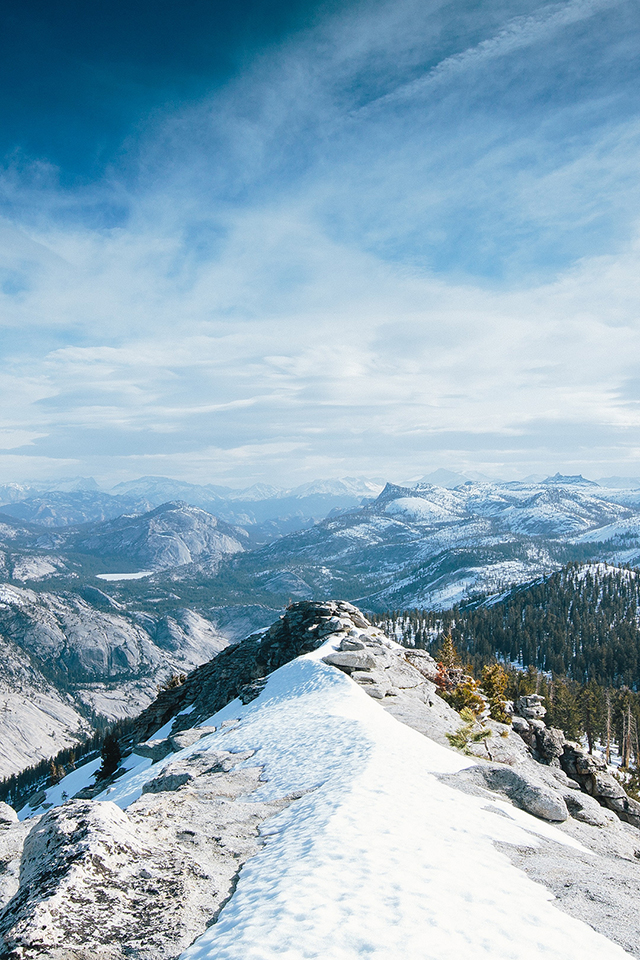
111 756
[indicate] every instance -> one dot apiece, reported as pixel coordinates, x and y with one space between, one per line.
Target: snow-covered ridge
365 847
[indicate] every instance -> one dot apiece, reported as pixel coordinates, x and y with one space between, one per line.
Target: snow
75 781
377 858
380 859
422 510
124 576
35 568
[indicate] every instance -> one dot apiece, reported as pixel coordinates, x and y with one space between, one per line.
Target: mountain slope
582 622
62 659
59 509
429 546
171 535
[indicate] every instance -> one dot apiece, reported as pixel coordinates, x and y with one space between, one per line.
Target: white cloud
304 286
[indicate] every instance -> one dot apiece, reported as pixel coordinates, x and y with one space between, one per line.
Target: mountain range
270 512
432 546
95 615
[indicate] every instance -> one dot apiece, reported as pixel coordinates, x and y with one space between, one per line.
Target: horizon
429 476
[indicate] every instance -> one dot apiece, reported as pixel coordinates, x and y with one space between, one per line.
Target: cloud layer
405 238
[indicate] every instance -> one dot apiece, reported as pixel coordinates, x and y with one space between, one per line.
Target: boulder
8 815
377 691
167 782
350 660
549 743
350 643
530 707
155 749
332 625
606 786
186 738
522 789
626 808
587 809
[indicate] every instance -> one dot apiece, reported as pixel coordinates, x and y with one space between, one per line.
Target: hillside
172 535
63 660
318 815
582 622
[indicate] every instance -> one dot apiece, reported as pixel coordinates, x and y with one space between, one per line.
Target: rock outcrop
549 746
594 778
239 670
96 880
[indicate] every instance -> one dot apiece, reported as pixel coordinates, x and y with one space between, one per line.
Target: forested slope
581 622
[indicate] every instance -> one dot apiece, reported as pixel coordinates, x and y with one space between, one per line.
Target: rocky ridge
110 856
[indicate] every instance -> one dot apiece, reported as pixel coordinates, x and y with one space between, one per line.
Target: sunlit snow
377 858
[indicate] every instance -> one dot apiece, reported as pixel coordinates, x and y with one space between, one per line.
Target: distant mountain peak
576 480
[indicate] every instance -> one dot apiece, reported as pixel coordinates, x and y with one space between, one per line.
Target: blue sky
277 241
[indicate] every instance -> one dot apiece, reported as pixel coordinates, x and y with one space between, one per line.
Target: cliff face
62 657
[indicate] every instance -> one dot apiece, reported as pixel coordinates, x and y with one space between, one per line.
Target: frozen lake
124 576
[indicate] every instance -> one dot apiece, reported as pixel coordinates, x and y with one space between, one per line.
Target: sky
273 241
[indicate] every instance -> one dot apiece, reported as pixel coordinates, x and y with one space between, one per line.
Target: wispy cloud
409 237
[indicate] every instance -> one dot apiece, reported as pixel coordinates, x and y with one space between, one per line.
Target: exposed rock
171 535
530 707
587 809
592 775
350 660
95 881
519 786
333 625
501 747
218 682
187 737
155 749
423 662
7 815
12 836
350 644
376 691
521 726
60 657
549 743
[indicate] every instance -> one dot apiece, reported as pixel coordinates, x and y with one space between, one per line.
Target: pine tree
111 756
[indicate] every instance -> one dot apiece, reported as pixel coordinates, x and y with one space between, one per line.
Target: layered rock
549 746
593 776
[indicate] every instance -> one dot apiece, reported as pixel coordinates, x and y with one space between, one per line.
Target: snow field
381 860
376 858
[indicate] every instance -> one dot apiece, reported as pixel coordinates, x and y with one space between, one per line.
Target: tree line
572 636
103 742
